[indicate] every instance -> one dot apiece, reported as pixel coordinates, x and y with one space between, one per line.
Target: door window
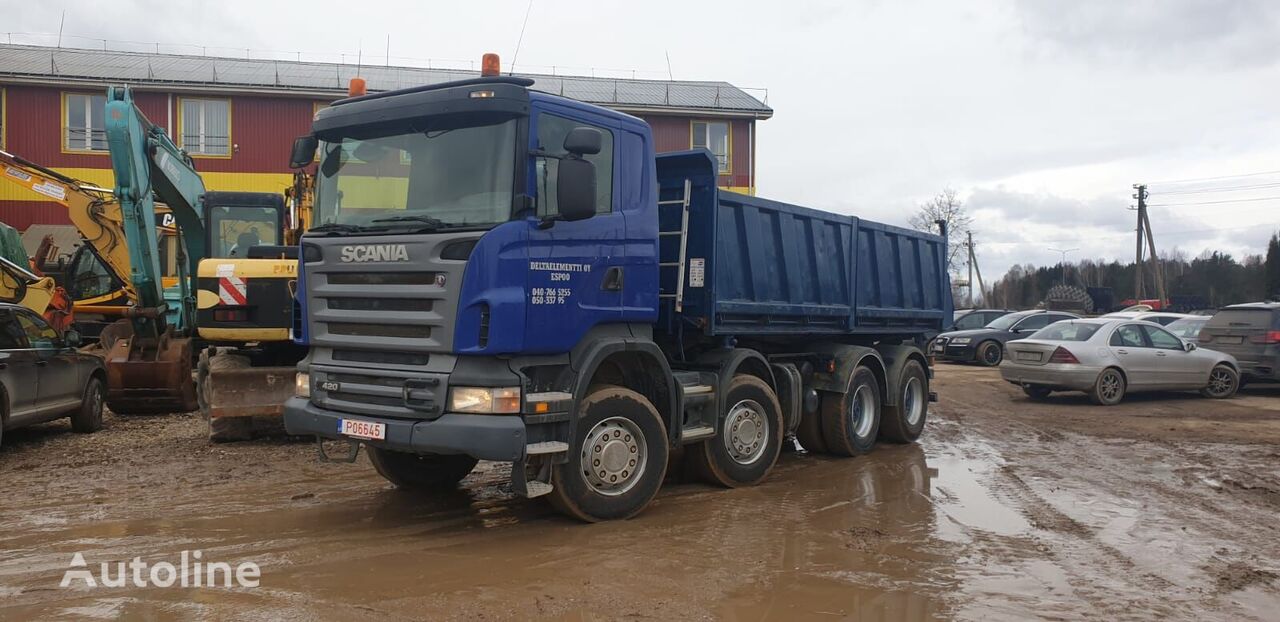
89 277
12 337
552 131
1035 322
40 335
972 320
1161 338
1128 336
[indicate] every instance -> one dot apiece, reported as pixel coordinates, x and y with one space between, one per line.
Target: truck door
576 275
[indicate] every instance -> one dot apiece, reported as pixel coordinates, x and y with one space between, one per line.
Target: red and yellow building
238 117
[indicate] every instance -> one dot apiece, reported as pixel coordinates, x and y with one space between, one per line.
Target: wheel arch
895 359
635 364
847 359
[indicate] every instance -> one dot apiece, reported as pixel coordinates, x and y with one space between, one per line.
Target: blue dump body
761 267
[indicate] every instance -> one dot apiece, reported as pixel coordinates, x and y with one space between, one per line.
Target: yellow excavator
21 284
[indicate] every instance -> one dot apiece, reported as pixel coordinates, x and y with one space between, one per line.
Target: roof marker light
490 66
356 87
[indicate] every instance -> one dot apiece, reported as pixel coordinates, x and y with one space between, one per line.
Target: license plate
1229 340
1028 356
362 429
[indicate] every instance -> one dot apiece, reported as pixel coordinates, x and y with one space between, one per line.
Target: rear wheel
904 422
618 458
749 439
1223 383
1037 393
990 353
1109 388
88 418
851 420
421 471
809 432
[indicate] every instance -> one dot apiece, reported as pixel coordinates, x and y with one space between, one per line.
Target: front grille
380 304
367 399
379 381
407 331
382 278
380 358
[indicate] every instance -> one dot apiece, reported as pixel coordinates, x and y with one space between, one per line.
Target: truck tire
88 418
421 471
618 459
749 440
904 422
809 433
1223 383
1109 388
989 354
851 420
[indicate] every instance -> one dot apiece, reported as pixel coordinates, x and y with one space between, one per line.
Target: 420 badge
559 288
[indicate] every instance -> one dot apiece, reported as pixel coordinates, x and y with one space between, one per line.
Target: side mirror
72 339
304 151
583 141
1190 346
576 189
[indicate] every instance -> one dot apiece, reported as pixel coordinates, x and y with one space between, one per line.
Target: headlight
302 384
484 400
959 340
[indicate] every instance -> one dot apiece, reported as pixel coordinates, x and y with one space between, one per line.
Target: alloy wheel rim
614 454
1220 382
746 432
1110 386
991 353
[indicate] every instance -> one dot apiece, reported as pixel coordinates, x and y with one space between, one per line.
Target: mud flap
148 376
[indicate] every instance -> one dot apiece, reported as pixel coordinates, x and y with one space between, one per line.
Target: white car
1162 318
1109 357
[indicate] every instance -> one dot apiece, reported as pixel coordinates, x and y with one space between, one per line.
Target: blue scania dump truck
498 273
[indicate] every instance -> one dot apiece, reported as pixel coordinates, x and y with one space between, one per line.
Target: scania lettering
567 301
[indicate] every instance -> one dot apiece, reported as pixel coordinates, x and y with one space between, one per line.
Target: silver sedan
1109 357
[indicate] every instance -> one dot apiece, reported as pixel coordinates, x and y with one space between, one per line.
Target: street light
1062 265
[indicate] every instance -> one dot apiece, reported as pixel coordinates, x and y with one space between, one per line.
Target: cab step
697 433
536 489
545 447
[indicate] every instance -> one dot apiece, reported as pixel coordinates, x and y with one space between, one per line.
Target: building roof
42 64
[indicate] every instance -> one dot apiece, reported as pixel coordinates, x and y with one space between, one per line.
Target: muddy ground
1165 507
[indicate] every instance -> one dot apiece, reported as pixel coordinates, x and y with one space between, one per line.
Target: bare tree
947 207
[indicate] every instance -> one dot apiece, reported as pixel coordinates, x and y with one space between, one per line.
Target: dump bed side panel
752 266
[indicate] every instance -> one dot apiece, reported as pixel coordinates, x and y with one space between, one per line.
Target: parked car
1163 318
1188 328
986 345
1108 358
968 319
1251 333
43 377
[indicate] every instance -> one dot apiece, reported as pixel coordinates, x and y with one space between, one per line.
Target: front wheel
990 353
1223 383
88 418
851 420
1109 388
749 439
618 458
421 471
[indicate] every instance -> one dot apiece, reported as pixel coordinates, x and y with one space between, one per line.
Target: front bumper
486 437
1074 377
949 352
1257 370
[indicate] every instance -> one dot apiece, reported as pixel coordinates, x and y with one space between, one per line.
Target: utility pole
1062 265
970 262
1141 196
973 262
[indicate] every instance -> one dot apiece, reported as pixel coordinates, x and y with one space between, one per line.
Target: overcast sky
1040 114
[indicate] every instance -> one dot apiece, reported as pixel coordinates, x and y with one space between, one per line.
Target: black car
968 319
43 377
986 345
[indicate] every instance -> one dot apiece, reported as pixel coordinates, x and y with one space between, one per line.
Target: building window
205 126
2 111
84 126
714 135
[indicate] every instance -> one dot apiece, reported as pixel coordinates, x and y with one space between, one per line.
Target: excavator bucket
234 395
147 376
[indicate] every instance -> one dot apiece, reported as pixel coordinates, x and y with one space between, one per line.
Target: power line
1122 235
1221 189
1187 181
1271 198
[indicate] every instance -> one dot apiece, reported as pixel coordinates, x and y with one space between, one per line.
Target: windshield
445 177
1005 321
236 229
1066 331
1187 328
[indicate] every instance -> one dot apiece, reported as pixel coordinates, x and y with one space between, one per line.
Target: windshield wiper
334 227
427 220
